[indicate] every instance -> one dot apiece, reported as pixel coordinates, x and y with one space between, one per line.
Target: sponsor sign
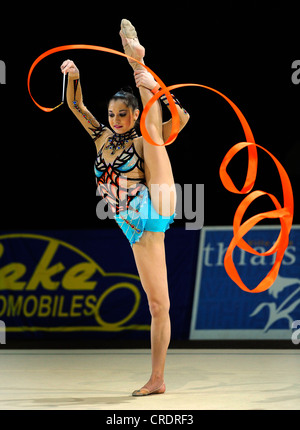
83 284
49 284
221 310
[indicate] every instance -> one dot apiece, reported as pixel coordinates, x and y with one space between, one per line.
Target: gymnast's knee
159 308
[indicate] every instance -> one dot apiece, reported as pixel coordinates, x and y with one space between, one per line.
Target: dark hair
127 96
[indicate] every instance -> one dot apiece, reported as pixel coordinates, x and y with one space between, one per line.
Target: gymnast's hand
69 66
144 79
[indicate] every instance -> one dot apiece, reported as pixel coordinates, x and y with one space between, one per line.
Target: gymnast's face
121 117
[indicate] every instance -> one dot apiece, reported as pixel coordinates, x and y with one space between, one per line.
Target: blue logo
221 310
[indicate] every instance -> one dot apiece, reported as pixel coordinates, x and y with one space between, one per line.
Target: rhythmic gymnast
136 180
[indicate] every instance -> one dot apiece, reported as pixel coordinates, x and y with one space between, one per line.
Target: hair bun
127 89
127 96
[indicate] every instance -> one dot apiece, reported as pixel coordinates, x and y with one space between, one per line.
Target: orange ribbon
175 116
284 214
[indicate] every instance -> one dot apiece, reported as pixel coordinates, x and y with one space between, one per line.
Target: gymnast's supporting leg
149 255
149 252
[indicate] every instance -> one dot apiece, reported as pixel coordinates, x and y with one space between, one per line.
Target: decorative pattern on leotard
112 178
118 141
96 130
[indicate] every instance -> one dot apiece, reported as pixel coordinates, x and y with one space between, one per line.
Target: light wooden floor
104 379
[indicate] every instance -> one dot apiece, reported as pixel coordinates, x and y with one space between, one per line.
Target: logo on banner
222 310
54 286
282 305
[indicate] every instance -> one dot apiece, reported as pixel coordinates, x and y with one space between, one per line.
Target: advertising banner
221 310
84 284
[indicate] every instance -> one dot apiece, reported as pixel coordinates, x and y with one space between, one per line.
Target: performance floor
104 379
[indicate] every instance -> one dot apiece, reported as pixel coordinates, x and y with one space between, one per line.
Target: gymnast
136 180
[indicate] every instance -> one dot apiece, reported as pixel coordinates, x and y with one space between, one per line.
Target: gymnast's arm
96 130
144 78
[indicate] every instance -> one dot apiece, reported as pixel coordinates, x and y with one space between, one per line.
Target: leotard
119 172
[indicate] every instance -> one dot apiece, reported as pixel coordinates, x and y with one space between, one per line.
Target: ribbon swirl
284 214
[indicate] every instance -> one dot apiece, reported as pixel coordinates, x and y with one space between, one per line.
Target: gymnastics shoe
131 44
145 392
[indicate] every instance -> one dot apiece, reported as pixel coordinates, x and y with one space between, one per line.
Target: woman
136 180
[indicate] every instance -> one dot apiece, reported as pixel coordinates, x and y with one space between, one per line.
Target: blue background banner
83 284
223 311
